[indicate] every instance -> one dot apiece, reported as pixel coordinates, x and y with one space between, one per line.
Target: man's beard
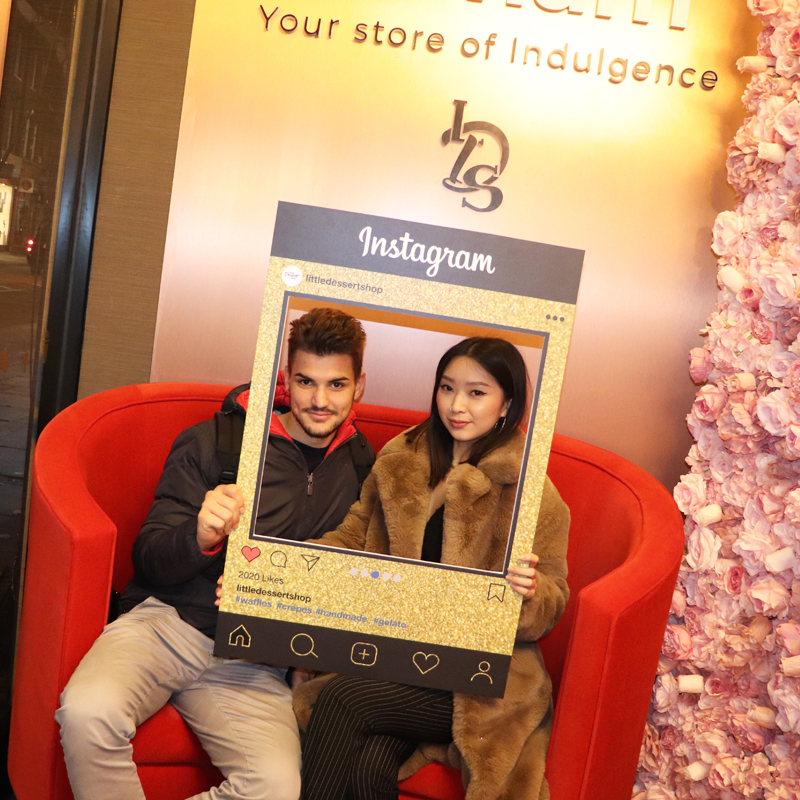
317 433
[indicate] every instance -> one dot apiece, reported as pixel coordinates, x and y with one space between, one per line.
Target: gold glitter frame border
436 605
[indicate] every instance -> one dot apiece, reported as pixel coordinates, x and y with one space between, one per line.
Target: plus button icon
364 654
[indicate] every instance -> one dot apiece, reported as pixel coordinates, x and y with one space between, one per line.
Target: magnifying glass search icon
303 645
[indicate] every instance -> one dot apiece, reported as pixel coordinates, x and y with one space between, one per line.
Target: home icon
239 637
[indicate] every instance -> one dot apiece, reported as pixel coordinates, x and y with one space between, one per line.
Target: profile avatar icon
483 672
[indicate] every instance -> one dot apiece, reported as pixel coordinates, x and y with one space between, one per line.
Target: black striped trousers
362 731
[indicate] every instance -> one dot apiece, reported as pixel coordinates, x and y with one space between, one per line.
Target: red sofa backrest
121 457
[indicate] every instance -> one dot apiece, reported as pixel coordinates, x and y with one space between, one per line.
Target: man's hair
327 332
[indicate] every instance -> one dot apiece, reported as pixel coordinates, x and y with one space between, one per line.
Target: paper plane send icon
310 561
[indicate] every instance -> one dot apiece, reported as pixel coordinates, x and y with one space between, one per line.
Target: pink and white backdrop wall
725 718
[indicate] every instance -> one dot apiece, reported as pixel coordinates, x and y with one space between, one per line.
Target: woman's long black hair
505 364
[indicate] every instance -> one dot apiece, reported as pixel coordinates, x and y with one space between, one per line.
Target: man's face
323 390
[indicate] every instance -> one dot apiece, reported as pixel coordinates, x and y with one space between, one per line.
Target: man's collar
343 432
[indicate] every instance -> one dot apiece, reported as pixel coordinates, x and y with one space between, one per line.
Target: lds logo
469 181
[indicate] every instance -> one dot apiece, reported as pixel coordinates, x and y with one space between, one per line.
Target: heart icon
250 553
425 662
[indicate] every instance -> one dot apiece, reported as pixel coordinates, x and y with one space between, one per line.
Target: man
160 649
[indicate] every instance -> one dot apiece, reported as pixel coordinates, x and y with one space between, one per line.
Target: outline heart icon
425 657
250 553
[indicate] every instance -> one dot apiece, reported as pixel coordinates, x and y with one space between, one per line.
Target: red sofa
94 471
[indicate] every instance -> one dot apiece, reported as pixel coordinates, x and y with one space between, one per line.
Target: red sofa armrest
614 645
68 582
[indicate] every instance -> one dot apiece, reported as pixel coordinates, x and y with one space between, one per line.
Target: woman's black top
432 541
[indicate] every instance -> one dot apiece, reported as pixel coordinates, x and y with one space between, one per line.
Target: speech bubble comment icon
278 559
302 645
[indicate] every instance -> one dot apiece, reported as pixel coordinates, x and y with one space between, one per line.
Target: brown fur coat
499 744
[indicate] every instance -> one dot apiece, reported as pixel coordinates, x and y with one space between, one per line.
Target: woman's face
470 401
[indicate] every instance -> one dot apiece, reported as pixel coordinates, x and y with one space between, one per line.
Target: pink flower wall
725 716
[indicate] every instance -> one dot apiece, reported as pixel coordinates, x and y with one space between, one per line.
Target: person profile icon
483 672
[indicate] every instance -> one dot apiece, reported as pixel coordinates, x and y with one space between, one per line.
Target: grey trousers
241 712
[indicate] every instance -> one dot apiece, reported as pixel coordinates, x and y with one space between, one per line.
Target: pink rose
789 637
729 228
720 466
707 436
724 772
748 686
754 776
670 739
749 296
780 364
763 716
748 735
778 284
793 40
665 665
666 692
650 754
787 65
787 122
785 695
690 493
713 744
771 232
693 620
775 413
700 365
677 643
755 541
709 402
703 546
791 167
733 580
769 597
678 602
789 329
764 8
791 444
752 64
763 330
770 505
784 754
791 511
719 685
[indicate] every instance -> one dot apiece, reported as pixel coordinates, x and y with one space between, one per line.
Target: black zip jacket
169 565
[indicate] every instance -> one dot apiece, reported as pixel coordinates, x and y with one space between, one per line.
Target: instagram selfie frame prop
290 603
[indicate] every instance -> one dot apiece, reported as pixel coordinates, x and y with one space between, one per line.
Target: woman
444 491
